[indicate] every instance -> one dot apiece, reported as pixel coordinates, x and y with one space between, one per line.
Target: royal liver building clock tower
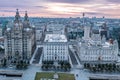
19 39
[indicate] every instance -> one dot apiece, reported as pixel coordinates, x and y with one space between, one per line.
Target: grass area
62 76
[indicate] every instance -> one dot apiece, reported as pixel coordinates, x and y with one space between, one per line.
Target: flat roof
111 77
55 38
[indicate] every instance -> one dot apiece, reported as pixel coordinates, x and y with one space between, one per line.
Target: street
37 56
73 59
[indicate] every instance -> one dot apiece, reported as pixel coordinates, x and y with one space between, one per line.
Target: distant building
1 37
55 29
1 31
100 27
19 39
2 42
55 48
40 28
74 32
86 33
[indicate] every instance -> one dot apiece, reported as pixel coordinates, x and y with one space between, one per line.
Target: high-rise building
87 31
19 39
55 29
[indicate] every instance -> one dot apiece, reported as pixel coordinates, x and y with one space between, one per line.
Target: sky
61 8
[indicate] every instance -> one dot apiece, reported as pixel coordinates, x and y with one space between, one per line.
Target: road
77 56
73 59
37 56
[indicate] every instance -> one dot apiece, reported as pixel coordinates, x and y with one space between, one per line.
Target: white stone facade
86 33
55 49
19 39
98 53
96 50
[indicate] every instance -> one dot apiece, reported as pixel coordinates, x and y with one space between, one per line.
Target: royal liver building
19 39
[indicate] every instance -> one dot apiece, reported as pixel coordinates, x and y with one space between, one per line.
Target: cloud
113 1
94 13
10 11
69 1
15 3
42 7
7 10
61 8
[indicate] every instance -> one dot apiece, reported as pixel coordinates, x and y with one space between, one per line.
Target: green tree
4 62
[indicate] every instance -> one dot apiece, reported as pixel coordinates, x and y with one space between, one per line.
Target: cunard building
55 48
19 39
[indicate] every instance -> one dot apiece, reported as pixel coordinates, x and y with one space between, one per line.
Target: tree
1 49
110 68
65 67
58 67
42 66
94 69
22 64
69 67
46 66
87 65
4 62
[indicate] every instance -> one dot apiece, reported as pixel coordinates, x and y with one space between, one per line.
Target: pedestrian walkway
40 61
83 74
70 61
30 73
80 74
33 55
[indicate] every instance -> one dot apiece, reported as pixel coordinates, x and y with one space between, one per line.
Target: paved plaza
29 74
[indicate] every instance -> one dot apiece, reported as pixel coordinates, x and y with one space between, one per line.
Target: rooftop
96 44
55 25
55 38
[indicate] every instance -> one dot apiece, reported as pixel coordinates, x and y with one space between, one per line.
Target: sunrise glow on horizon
61 8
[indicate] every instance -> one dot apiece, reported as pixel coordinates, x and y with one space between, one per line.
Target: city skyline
40 45
61 8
